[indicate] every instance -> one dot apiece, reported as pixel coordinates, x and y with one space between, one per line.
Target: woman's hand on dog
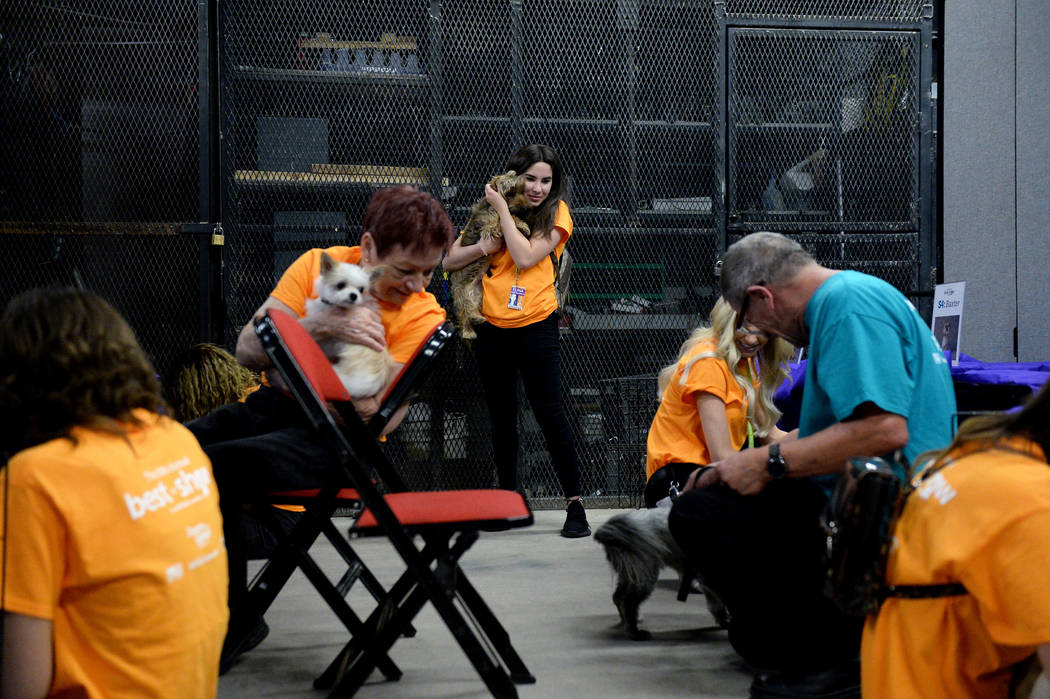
495 199
358 325
490 246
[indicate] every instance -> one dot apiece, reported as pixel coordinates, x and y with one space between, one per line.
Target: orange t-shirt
118 542
538 281
984 521
406 326
677 434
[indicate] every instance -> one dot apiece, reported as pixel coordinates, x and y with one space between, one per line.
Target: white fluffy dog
363 370
638 545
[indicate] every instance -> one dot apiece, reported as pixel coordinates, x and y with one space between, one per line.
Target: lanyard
750 428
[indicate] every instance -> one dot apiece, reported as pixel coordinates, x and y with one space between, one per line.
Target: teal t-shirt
867 343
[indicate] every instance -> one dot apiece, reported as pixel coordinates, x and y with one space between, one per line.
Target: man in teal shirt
876 382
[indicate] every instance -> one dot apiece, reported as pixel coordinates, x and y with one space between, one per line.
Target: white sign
947 316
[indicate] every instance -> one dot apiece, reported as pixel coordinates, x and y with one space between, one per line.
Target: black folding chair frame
369 645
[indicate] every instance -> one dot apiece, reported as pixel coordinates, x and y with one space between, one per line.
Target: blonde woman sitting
715 399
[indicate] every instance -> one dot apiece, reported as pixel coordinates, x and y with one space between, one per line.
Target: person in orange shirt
114 570
520 337
979 516
266 443
715 399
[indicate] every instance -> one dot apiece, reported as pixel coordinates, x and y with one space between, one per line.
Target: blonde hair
772 364
205 377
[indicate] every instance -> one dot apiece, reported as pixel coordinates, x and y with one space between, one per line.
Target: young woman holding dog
520 337
715 399
980 516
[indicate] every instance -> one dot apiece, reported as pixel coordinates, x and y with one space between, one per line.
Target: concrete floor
553 596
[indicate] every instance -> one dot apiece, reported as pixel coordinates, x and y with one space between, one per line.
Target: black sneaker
575 521
242 636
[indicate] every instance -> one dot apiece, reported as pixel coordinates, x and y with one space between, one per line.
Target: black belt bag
858 527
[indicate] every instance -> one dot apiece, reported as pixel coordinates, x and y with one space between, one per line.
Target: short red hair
406 217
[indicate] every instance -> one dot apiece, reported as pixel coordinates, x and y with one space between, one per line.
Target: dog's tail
639 534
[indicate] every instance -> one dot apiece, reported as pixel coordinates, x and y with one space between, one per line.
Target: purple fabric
969 371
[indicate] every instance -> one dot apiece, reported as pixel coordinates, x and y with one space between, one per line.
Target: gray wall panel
1033 202
979 194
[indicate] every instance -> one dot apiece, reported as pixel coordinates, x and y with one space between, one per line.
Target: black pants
533 353
256 447
659 484
762 555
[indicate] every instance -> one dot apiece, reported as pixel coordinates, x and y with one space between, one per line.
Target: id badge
517 297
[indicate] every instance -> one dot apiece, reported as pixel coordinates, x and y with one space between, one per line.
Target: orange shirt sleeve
35 544
410 324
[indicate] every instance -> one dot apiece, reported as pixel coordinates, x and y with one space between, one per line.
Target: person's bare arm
249 350
27 662
713 419
870 432
778 435
459 255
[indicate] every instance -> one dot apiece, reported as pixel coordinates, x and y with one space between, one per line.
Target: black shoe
241 637
575 521
838 682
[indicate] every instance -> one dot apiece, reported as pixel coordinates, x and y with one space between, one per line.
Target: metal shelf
331 77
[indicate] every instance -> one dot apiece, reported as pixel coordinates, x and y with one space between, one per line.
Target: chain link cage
322 105
655 106
99 111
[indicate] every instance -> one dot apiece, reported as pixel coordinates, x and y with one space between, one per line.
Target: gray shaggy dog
638 544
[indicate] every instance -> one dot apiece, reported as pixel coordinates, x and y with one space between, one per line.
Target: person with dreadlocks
205 377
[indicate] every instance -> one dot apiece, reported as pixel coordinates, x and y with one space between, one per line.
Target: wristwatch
776 466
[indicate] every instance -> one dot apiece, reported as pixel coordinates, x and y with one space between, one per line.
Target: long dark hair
68 359
541 218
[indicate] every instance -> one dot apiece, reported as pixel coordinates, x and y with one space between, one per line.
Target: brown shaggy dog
484 223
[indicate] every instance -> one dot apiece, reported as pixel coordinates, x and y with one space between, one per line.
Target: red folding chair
321 504
447 521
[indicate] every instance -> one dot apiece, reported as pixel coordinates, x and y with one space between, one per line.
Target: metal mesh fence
652 105
822 130
100 150
151 279
836 9
323 105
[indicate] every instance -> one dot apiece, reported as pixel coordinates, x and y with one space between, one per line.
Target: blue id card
517 297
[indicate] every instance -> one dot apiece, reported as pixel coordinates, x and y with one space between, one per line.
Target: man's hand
745 472
703 477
